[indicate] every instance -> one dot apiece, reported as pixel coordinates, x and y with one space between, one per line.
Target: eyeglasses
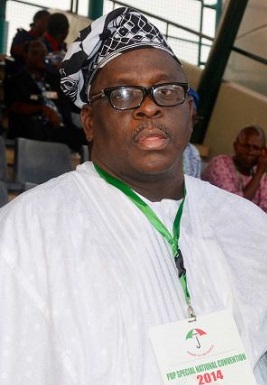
130 97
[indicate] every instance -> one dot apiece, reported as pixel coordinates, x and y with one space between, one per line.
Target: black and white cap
107 37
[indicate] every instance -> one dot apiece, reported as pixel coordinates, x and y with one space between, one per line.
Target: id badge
204 351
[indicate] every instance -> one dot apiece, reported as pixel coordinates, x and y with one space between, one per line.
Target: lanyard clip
191 313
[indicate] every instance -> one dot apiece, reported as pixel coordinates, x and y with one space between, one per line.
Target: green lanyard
155 221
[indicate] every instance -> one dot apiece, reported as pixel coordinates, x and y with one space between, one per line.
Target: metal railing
196 39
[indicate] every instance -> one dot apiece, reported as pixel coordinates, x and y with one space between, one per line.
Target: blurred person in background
243 173
54 39
191 156
36 106
37 29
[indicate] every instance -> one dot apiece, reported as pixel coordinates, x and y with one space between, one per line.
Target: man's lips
151 139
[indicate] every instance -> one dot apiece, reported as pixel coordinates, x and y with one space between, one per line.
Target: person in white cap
93 262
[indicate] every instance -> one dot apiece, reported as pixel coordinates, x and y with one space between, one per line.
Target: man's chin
157 170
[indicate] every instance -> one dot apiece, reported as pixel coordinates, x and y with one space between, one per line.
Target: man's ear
191 111
191 104
87 121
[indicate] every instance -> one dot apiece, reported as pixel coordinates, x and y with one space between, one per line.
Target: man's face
41 24
36 55
145 141
248 148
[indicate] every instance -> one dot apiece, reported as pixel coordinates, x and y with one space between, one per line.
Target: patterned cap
107 37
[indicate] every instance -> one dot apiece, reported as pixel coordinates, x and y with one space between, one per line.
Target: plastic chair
36 161
3 194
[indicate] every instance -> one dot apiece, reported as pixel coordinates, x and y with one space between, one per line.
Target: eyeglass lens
132 97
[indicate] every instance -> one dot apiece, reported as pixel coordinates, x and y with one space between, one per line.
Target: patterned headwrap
107 37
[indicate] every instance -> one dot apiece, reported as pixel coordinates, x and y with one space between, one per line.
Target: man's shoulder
219 162
222 158
211 200
21 31
21 36
22 74
19 81
75 196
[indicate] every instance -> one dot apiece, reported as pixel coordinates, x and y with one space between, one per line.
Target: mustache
150 125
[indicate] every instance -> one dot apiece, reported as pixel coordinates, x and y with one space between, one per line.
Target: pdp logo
198 343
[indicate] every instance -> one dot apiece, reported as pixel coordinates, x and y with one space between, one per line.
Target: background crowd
36 108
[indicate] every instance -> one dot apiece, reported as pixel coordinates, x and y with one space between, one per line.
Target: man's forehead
246 137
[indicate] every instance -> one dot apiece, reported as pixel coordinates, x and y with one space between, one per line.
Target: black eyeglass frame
106 92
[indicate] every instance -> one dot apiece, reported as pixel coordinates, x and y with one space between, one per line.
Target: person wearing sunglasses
96 262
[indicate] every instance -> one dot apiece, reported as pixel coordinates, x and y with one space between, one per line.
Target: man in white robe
84 275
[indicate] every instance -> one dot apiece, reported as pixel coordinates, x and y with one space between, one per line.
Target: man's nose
148 108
